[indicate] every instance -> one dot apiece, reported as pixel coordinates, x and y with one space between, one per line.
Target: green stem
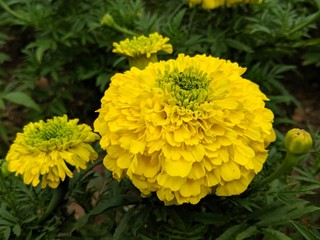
142 61
123 30
289 161
96 163
57 196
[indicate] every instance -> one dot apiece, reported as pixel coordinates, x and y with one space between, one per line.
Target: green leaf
6 214
2 105
16 230
6 231
42 45
231 232
307 21
250 231
210 218
22 99
306 233
4 57
124 225
239 45
275 234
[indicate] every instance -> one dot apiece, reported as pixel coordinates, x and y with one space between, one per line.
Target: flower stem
57 196
289 161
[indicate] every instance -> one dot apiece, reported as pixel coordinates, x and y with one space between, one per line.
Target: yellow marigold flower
212 4
142 50
143 46
48 150
185 128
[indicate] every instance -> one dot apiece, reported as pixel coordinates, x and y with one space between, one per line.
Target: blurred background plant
56 58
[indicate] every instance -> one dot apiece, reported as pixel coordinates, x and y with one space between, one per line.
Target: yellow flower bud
298 141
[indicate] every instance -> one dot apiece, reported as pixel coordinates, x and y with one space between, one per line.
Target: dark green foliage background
56 58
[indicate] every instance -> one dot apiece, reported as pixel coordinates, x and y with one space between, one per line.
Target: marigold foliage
185 128
49 151
211 4
143 46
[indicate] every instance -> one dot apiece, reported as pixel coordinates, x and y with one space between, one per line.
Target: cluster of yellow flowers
211 4
185 128
182 128
49 151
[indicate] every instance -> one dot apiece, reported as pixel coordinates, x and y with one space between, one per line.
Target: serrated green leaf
22 99
275 234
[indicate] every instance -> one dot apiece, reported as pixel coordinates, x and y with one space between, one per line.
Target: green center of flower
50 135
188 88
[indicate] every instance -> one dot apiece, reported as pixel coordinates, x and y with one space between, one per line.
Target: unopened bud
107 20
4 169
298 141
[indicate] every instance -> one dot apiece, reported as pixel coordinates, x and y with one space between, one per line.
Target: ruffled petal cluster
212 4
48 151
143 46
185 128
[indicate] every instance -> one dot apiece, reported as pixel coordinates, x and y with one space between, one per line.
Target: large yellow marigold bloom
48 150
185 128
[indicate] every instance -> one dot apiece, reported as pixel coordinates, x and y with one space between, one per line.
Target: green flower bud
4 169
298 141
108 20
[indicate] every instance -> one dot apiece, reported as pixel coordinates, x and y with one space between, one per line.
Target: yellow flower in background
47 151
142 50
143 46
212 4
185 128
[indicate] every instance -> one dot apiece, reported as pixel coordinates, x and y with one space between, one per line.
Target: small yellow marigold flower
298 141
212 4
48 150
185 128
143 47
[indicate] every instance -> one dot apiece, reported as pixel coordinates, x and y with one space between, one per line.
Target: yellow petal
190 188
173 183
179 168
230 171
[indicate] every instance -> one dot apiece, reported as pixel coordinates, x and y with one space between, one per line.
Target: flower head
212 4
185 128
298 141
48 150
143 48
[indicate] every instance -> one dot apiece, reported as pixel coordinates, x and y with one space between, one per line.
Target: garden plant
136 119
